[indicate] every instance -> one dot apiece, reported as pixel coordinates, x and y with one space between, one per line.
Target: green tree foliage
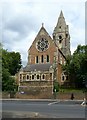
8 82
11 61
76 66
0 66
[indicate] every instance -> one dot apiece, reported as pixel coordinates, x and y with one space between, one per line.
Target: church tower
61 35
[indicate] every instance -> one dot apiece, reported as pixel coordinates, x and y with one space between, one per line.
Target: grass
66 90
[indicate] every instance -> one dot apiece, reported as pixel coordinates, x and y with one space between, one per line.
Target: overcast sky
22 19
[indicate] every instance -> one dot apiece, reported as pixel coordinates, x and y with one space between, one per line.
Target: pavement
43 99
69 101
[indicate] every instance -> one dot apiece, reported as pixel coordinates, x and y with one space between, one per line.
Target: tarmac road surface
43 109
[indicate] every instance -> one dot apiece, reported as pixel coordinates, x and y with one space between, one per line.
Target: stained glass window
42 45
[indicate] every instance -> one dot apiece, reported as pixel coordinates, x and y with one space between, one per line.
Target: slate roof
38 67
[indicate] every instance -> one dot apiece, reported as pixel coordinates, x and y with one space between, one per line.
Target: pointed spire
61 20
61 24
61 14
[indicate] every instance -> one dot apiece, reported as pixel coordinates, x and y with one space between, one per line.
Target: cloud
21 21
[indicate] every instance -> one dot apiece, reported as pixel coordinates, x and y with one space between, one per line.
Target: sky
86 22
21 20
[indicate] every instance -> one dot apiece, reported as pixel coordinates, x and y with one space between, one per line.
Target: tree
8 83
11 61
81 53
76 66
14 62
0 67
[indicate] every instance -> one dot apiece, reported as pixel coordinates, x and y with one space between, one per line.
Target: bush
56 87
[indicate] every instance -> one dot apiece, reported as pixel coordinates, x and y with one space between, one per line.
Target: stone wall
46 95
49 95
34 93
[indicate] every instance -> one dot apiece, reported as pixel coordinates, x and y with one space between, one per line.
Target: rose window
42 45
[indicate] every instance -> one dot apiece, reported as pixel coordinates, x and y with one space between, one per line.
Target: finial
42 24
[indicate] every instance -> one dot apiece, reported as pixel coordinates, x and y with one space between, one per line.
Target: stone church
46 56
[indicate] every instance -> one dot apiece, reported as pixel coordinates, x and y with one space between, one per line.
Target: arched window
38 77
43 77
32 77
36 59
47 58
60 37
63 78
27 76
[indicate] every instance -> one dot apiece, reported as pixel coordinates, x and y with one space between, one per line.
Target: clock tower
61 35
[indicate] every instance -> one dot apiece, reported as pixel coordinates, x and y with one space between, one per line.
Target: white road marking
53 103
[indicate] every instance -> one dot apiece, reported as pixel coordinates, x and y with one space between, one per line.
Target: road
48 109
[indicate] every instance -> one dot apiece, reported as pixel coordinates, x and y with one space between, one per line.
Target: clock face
42 45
